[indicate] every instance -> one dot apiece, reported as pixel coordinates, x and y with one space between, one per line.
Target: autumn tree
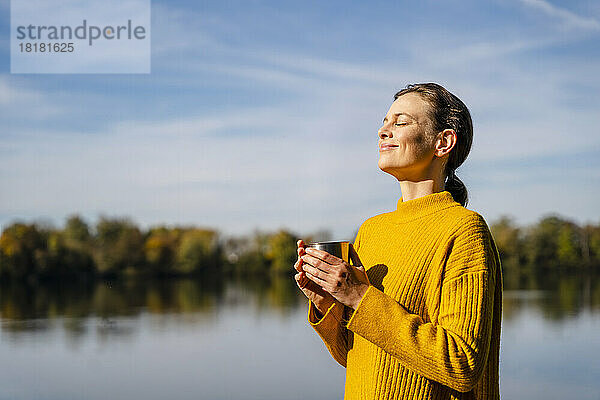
199 250
20 244
119 246
281 251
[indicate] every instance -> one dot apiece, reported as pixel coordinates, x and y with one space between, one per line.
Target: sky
264 115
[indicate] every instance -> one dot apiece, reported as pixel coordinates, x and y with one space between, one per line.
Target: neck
421 182
413 190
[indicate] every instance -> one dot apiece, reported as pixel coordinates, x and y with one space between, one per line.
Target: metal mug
340 249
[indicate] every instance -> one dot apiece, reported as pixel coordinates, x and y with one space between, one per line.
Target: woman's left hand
346 283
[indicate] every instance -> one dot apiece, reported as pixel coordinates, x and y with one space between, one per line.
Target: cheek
420 140
420 145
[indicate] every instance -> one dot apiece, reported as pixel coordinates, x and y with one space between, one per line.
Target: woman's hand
311 290
346 283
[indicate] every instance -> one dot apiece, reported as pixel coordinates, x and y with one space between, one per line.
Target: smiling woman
417 314
423 124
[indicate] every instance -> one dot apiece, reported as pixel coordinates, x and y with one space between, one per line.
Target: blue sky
264 115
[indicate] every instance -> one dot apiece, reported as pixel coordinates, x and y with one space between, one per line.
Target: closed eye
400 123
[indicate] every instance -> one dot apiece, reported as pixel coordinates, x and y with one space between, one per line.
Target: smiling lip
385 147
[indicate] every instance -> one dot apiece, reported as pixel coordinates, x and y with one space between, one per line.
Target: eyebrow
399 113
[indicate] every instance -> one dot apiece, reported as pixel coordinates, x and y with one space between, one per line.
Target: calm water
249 339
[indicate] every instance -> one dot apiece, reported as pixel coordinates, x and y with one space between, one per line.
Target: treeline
116 247
553 242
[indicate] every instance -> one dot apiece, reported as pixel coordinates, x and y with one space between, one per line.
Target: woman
417 315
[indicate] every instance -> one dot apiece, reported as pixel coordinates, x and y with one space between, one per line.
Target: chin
399 172
389 170
387 166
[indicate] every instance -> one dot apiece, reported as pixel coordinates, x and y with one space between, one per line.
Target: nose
384 133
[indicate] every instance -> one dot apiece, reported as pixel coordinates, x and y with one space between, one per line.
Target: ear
445 142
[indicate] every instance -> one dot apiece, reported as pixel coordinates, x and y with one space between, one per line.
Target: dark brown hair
448 112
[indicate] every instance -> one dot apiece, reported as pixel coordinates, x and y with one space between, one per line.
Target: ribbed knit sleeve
452 350
329 327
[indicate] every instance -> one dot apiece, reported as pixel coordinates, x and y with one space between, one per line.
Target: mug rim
329 242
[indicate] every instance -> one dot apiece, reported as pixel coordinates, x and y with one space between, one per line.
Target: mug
340 249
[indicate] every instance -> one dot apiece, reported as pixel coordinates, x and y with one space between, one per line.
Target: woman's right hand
322 299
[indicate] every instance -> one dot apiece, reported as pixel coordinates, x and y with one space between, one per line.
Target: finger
315 262
354 257
326 282
300 243
298 265
315 271
325 256
317 280
303 279
298 279
301 251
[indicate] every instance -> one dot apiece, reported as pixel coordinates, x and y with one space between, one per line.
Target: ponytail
457 189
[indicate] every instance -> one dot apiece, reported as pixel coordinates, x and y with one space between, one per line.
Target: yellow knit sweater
428 327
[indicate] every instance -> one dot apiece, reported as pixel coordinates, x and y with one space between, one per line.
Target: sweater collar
421 206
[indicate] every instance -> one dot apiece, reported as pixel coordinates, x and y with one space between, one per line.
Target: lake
242 338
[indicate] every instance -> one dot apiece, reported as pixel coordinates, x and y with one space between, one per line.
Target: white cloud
175 30
9 95
18 98
569 18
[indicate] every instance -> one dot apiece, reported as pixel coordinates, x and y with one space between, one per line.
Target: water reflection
33 307
121 338
556 296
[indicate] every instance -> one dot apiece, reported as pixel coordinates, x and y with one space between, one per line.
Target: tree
568 249
507 237
160 249
282 251
198 250
19 245
119 246
77 230
554 242
541 242
593 236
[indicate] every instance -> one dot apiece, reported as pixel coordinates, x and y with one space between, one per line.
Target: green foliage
541 243
64 255
282 251
160 248
199 250
77 230
20 245
117 246
508 238
592 242
553 242
568 250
